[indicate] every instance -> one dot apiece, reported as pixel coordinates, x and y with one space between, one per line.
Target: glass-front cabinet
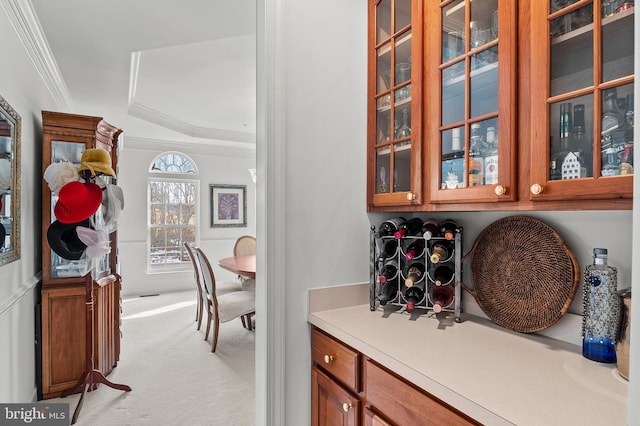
395 103
582 114
471 100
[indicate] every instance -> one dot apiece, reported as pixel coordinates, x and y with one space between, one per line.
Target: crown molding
25 23
222 149
151 115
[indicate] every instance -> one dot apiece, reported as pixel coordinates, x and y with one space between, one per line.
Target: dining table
240 265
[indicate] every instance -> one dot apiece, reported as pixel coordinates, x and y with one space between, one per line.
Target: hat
77 201
97 242
113 203
5 174
3 232
96 160
58 175
63 239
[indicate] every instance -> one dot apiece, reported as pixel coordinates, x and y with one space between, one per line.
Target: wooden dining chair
245 246
222 308
222 288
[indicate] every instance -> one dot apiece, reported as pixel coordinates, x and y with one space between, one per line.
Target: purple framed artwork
228 205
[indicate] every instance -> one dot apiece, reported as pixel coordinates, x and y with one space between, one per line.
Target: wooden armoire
63 333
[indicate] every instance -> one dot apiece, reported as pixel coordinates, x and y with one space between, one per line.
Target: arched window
173 203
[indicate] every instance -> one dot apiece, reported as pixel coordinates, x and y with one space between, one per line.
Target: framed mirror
9 183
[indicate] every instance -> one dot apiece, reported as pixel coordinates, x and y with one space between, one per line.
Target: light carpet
174 376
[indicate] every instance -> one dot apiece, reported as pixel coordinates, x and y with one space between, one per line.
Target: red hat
77 201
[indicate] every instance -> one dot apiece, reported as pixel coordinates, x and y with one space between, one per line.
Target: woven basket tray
524 275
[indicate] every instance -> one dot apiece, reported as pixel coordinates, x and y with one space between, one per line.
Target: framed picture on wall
228 205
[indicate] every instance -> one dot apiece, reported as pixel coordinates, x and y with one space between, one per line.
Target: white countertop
495 376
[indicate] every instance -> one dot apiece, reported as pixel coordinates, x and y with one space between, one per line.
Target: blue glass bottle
601 309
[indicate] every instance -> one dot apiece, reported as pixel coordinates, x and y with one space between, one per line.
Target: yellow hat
96 160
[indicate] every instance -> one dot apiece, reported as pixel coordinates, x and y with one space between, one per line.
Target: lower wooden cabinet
377 396
63 334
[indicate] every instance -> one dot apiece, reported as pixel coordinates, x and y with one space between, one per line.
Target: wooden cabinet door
471 105
394 103
582 74
372 419
332 405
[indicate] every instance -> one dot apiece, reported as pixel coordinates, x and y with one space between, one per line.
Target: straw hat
58 175
77 201
64 241
96 160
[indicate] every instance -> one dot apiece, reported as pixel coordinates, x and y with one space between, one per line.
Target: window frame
173 177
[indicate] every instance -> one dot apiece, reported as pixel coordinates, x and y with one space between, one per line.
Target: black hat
64 240
2 234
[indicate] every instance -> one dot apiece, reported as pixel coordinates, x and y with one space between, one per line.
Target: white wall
23 88
215 166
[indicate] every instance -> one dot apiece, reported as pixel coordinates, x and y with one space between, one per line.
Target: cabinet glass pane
67 151
453 164
572 51
383 21
484 82
453 93
453 34
483 153
481 29
402 128
402 167
383 120
403 58
617 43
383 167
571 140
403 14
617 131
383 68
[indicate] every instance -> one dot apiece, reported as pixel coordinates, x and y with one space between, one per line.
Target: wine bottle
442 275
476 160
448 229
430 229
408 228
389 249
415 272
388 272
491 158
388 291
442 297
440 251
390 226
413 295
415 249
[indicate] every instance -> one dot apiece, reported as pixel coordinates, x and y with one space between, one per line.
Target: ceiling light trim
149 114
25 23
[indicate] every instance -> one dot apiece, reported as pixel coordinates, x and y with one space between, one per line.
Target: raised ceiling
171 70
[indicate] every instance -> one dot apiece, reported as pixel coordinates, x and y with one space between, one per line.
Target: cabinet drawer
405 404
335 358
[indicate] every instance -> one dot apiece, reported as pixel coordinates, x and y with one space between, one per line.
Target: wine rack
427 281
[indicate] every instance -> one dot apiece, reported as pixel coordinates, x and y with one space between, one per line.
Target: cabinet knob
500 190
328 359
536 189
411 196
346 407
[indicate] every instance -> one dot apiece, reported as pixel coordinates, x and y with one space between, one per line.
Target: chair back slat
245 246
209 277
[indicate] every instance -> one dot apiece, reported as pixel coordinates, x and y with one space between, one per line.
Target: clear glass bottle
601 309
476 159
491 158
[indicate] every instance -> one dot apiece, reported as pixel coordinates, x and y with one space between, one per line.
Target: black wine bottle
390 226
389 249
442 275
408 228
442 297
448 229
388 291
388 272
430 229
415 272
440 252
413 296
415 249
